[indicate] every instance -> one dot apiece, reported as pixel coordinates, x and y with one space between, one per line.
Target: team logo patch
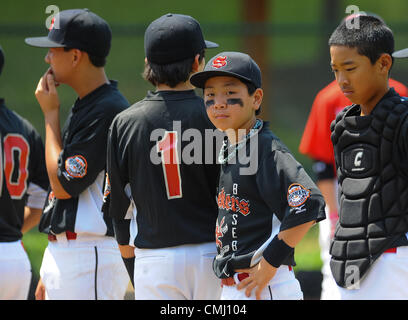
297 195
76 167
219 62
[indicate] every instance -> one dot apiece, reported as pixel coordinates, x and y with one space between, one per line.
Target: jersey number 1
171 165
15 168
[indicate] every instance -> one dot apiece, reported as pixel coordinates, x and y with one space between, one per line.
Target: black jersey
22 168
255 205
173 202
82 165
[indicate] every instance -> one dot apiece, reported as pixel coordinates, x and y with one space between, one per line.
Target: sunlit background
288 39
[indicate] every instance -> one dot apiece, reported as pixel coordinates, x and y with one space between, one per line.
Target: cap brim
210 44
401 53
199 79
43 42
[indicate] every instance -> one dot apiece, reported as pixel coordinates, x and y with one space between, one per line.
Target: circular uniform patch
297 195
76 166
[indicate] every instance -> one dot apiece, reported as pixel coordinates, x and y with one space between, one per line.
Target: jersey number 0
14 165
171 165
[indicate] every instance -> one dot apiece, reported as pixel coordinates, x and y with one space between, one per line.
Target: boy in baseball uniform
163 205
82 260
316 144
23 185
266 201
369 250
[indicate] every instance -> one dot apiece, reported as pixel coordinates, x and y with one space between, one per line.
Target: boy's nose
220 103
342 79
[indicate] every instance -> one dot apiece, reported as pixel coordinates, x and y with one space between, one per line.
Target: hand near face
46 93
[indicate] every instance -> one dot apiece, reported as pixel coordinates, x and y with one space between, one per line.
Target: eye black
209 103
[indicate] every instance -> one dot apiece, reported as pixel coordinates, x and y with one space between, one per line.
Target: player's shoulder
17 123
270 143
130 119
111 101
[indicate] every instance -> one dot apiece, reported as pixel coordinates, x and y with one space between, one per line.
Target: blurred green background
296 65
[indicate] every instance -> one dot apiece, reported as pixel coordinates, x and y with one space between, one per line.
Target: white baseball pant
387 279
15 271
176 273
88 268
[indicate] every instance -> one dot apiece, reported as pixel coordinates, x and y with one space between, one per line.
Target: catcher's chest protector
373 190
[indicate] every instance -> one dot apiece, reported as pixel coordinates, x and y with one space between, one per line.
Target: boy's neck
236 135
368 107
86 82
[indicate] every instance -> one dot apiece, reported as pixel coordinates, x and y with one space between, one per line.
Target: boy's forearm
328 189
294 235
53 148
32 217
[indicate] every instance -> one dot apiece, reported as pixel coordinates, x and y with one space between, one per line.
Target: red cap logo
219 62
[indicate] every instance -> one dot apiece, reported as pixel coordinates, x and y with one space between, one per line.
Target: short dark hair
170 74
95 60
372 37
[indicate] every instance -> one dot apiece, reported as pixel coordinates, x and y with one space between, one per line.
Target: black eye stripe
209 103
235 101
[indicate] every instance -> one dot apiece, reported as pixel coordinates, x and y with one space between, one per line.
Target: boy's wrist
277 252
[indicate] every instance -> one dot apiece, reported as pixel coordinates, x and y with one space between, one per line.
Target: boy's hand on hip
259 276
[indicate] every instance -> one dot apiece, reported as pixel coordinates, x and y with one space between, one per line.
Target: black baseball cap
403 53
231 64
77 28
1 59
174 37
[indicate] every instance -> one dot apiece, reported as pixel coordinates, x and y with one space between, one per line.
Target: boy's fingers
244 283
51 83
249 288
258 291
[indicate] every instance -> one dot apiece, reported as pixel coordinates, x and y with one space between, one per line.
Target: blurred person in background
23 185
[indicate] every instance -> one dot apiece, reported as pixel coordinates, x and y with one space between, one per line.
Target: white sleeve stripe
36 196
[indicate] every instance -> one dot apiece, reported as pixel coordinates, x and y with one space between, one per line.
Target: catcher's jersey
23 175
82 165
155 177
253 208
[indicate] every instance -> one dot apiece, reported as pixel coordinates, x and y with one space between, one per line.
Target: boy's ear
196 64
258 96
385 62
